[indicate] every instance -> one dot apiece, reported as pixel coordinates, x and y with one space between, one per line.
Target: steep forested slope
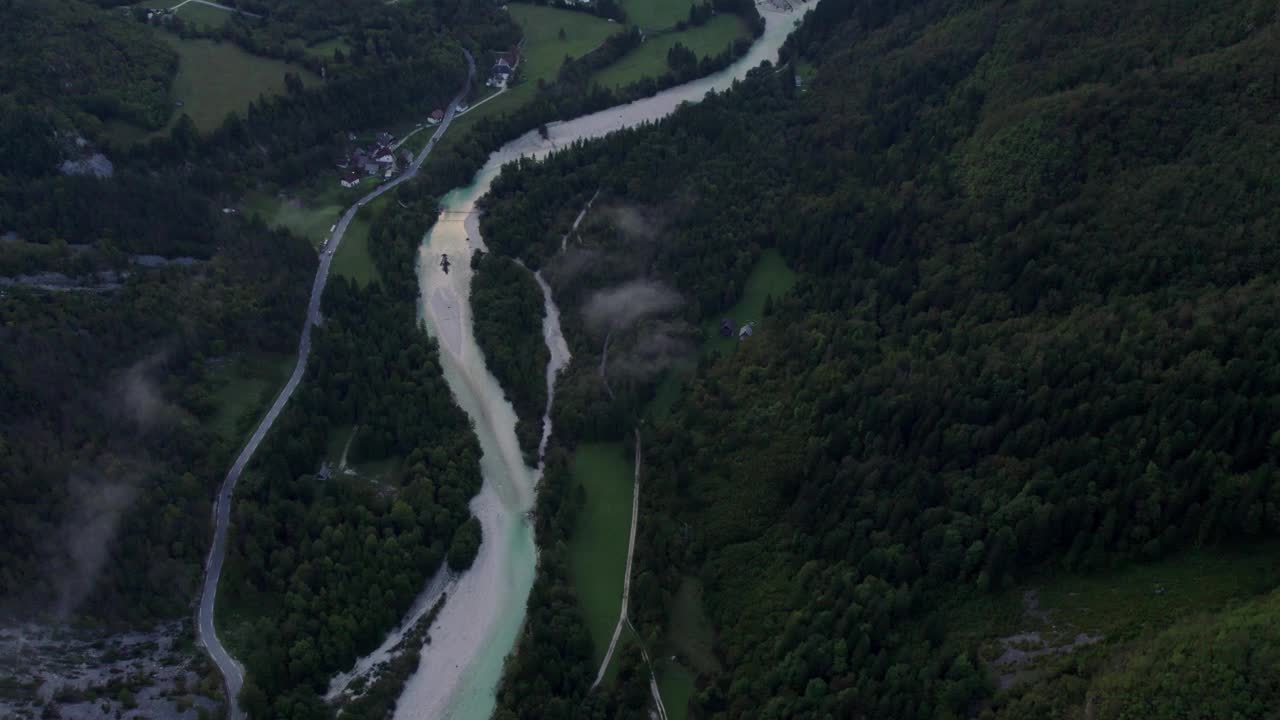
1038 242
71 55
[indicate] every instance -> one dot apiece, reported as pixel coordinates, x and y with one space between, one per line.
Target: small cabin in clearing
746 331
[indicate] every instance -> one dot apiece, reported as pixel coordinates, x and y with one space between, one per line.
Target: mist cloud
621 306
138 395
94 513
656 347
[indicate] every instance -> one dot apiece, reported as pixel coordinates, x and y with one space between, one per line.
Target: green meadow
242 390
598 546
218 78
353 259
656 14
204 16
650 59
770 277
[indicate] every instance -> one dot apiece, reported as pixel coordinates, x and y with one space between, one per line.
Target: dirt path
228 8
342 463
626 579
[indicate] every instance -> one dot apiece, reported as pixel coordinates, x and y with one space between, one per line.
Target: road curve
232 671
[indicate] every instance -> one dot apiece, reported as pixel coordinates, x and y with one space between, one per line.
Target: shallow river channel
481 619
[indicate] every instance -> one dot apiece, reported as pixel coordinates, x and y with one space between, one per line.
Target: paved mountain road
232 671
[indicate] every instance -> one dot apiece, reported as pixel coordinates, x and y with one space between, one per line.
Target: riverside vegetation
1035 246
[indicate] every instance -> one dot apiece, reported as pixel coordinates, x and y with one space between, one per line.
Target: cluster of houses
375 160
503 66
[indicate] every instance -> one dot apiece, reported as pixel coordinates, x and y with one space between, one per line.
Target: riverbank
475 632
232 671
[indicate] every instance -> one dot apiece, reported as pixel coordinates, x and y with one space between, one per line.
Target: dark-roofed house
436 117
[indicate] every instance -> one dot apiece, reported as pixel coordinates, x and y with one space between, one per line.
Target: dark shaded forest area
508 309
1038 249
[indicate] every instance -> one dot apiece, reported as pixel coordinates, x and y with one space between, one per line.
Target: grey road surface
232 671
626 578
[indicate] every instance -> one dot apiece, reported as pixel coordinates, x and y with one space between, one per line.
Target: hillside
1031 334
78 59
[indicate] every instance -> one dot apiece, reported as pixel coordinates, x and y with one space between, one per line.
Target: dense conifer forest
508 309
1031 335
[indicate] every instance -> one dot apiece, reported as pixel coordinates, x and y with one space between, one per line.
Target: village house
436 117
503 66
746 331
379 159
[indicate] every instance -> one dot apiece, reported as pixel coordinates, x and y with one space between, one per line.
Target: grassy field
770 276
656 14
243 389
598 547
217 78
201 15
691 640
1123 603
308 210
324 49
690 633
675 683
310 219
544 51
650 59
352 259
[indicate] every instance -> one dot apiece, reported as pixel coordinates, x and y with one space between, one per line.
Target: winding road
232 671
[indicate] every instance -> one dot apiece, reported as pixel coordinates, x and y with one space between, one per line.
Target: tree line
995 363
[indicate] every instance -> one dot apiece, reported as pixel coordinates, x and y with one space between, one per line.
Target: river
478 626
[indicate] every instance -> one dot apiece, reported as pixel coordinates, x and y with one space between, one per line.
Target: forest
508 308
1031 336
321 564
107 468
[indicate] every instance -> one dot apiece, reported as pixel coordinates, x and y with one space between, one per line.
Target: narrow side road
232 671
626 579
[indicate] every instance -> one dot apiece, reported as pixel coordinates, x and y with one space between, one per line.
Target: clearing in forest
353 259
1024 631
218 78
770 277
598 545
650 59
241 389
